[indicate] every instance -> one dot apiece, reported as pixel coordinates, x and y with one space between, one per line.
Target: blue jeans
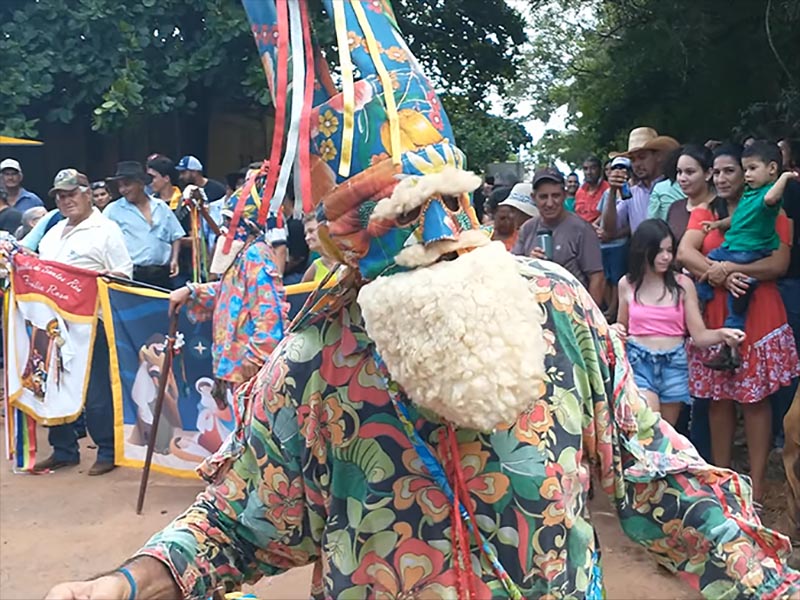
736 316
99 411
782 399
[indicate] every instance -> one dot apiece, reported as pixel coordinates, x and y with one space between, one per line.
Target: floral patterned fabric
248 307
322 472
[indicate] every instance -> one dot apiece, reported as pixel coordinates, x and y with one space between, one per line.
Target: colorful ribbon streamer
282 60
386 81
297 96
304 158
348 88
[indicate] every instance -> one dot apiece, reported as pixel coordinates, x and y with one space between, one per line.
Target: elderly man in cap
152 231
18 197
647 151
573 242
85 238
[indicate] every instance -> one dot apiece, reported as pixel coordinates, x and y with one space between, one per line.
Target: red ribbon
461 551
305 118
282 60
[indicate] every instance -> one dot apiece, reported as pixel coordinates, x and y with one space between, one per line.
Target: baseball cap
520 198
10 163
189 163
621 161
548 174
67 180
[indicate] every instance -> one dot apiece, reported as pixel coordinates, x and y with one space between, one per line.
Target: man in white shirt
85 239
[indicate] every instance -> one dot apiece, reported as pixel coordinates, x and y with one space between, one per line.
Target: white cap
621 161
520 198
189 163
10 163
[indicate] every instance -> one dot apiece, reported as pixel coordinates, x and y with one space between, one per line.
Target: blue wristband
131 581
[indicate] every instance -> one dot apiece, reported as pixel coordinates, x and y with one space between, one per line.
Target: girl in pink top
658 307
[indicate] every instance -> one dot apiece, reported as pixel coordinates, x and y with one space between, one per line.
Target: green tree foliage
67 59
694 70
484 138
114 62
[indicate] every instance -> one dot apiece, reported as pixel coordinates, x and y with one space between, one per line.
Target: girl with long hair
658 308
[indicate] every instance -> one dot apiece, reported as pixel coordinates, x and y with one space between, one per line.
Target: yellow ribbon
348 87
386 80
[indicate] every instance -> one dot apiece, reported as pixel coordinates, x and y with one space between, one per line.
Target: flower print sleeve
201 303
252 521
267 308
694 518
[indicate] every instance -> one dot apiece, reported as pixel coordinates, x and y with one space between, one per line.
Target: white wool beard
463 338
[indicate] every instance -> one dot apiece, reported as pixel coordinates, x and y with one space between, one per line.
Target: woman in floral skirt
769 356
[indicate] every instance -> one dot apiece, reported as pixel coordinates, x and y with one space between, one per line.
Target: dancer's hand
249 369
177 298
109 587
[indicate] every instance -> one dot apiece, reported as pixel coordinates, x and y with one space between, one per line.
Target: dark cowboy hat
130 169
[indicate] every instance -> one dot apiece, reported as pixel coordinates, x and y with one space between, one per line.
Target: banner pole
162 387
133 282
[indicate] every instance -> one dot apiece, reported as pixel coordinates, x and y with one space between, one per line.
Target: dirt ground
66 525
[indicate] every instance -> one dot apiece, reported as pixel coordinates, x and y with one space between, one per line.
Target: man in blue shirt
19 198
151 230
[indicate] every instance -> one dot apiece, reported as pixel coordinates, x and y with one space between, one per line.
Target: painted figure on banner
144 392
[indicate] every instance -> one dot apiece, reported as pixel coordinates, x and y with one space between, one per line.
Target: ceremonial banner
191 426
52 315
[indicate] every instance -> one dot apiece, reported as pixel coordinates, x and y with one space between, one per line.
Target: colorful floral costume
327 473
341 460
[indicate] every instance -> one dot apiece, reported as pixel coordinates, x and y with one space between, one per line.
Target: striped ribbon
304 159
348 87
298 83
282 64
436 470
24 441
386 81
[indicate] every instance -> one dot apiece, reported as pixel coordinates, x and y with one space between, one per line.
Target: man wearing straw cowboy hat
647 151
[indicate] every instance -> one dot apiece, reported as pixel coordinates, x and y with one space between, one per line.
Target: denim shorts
663 372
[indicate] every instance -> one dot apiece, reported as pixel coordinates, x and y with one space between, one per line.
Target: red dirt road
67 525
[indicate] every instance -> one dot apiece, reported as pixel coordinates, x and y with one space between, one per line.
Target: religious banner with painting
192 425
52 315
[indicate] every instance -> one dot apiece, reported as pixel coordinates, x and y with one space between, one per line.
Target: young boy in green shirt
751 233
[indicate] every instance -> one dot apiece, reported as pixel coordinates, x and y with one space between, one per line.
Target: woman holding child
768 355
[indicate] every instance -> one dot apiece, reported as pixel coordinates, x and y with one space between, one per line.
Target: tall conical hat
383 141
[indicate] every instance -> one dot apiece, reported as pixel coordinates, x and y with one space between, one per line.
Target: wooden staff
169 349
